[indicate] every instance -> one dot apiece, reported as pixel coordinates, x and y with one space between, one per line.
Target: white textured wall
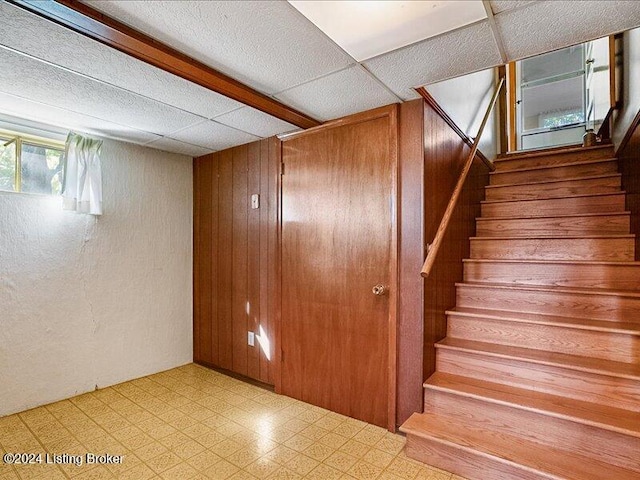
465 99
88 301
630 85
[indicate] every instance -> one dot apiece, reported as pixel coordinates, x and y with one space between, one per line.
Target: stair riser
552 160
617 277
556 206
618 347
531 227
554 189
590 387
554 173
470 465
600 249
593 442
596 307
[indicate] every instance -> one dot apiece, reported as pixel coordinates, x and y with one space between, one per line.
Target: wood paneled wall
444 155
410 257
234 269
629 161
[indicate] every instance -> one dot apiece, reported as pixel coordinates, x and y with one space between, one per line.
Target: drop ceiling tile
255 122
461 51
174 146
48 41
498 6
342 93
59 117
213 136
368 29
267 45
544 26
29 78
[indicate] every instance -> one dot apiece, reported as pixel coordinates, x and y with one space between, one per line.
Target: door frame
390 111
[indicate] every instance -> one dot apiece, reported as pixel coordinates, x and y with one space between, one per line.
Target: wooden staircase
539 374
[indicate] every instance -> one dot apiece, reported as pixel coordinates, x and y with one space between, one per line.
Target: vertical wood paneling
274 277
253 258
239 252
203 175
213 261
224 256
629 161
444 156
411 257
198 284
235 258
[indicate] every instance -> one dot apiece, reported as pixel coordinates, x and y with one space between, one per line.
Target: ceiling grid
50 73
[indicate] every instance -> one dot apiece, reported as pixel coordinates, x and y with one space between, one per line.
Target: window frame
10 136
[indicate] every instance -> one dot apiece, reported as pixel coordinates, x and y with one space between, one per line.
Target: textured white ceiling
367 29
82 55
268 45
498 6
451 54
24 76
348 91
213 136
540 27
47 114
255 122
53 75
171 145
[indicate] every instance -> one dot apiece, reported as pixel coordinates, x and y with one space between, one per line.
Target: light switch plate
255 201
251 339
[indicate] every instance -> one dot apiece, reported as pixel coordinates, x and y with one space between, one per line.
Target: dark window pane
7 165
41 169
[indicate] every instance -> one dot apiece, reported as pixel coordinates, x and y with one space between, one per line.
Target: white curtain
82 183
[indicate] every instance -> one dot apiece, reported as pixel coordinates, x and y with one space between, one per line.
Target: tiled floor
194 423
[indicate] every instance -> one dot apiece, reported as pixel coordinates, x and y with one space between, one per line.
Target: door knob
379 290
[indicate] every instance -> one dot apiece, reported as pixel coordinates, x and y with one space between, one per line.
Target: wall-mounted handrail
604 132
433 248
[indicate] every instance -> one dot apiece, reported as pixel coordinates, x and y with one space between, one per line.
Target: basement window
30 164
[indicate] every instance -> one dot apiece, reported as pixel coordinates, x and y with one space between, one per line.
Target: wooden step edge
587 413
516 452
597 366
557 165
612 236
417 428
552 289
625 328
569 215
557 180
578 195
544 152
628 263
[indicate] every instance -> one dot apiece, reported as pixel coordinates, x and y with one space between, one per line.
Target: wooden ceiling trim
91 23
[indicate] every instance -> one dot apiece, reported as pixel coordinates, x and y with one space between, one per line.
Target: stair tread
559 165
579 195
563 237
569 215
564 360
544 319
550 152
588 413
552 262
550 462
551 288
555 180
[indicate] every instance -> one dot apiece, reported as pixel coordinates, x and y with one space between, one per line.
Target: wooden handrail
449 121
604 132
432 251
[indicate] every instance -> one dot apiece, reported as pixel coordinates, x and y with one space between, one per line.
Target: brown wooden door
337 241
